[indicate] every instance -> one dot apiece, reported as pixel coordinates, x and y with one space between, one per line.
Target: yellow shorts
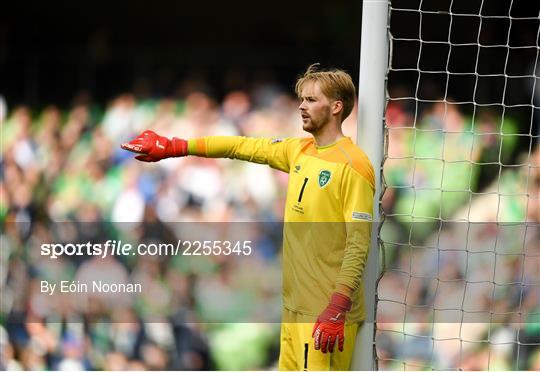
297 352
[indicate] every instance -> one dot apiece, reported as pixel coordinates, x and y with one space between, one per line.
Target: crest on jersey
324 177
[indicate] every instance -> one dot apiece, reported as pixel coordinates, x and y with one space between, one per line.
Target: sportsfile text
119 248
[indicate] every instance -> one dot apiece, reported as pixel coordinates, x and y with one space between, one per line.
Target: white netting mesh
460 287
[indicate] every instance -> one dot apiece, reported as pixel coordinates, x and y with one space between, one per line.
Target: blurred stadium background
79 79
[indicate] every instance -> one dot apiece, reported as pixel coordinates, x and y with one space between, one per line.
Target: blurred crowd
64 178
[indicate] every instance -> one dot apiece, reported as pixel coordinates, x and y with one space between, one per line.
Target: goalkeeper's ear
337 107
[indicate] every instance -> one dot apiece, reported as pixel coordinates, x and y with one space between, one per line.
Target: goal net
460 283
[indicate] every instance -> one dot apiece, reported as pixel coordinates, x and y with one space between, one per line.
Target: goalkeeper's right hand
153 147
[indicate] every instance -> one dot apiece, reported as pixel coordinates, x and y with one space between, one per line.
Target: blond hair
335 84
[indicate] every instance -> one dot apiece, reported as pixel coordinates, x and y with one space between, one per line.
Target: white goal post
371 104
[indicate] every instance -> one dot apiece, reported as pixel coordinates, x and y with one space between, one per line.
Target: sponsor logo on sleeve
361 216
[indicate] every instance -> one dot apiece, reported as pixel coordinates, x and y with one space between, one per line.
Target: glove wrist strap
178 147
341 301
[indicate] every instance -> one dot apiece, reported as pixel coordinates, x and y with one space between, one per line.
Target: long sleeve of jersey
274 152
357 212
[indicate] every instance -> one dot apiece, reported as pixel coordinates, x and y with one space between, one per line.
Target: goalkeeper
327 218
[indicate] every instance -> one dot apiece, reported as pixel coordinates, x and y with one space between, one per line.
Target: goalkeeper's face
315 108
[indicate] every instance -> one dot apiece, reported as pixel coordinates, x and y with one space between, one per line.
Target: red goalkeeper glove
330 325
154 147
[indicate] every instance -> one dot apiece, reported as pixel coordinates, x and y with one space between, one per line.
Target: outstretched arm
152 147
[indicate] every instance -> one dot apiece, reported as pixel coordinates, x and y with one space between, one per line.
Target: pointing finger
138 148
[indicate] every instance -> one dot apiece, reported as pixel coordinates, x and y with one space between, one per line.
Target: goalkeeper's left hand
330 325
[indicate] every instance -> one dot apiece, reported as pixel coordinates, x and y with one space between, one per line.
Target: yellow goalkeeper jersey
328 213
